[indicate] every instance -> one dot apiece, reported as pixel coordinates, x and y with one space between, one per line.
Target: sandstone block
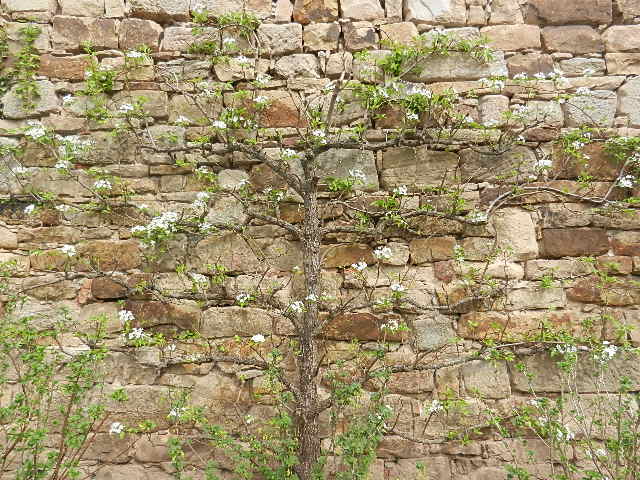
573 242
458 66
337 163
592 12
114 8
626 243
260 8
530 63
312 11
515 233
338 63
38 10
181 38
572 39
485 166
559 269
281 39
46 102
360 36
300 65
487 379
446 12
160 10
423 167
66 68
432 249
108 255
577 67
283 11
629 100
184 314
345 255
623 63
629 8
361 9
70 32
403 32
321 36
135 32
492 107
230 250
363 326
432 331
535 298
154 102
622 38
82 8
513 37
505 11
231 321
596 109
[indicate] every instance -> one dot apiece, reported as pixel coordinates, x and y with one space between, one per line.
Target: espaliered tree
327 405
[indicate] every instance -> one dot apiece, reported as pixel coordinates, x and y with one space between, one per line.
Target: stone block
82 8
65 68
229 250
110 255
403 33
486 379
492 107
315 11
360 36
512 37
445 12
69 33
160 10
597 109
154 102
457 67
572 39
577 67
300 65
530 63
135 32
345 255
590 12
623 63
281 39
629 8
505 12
321 36
629 100
622 38
515 233
421 166
626 243
46 102
361 9
432 249
337 163
573 242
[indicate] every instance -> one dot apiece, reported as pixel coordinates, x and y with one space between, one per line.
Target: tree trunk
307 428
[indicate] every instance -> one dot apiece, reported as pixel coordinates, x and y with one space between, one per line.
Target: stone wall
596 43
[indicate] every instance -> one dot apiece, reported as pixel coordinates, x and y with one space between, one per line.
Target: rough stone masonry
596 43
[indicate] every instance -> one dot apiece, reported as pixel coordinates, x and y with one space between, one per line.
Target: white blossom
413 117
126 316
263 78
116 428
382 253
520 76
357 174
401 190
136 333
35 130
176 412
318 133
289 153
436 406
566 349
398 288
627 181
67 99
544 163
68 250
219 124
20 170
242 60
477 217
360 266
297 306
540 75
312 298
242 298
29 209
583 91
102 185
392 325
63 208
258 338
138 229
199 278
135 54
126 107
608 352
63 165
261 99
182 119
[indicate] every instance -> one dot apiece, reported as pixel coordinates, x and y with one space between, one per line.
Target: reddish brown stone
572 39
105 288
594 290
135 32
106 255
615 265
444 271
345 255
71 32
49 260
431 249
530 63
68 68
315 11
553 12
573 242
147 314
361 326
600 165
626 243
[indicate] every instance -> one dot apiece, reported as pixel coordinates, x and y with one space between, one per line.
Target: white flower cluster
63 165
288 154
360 266
543 163
258 338
398 288
297 306
564 434
392 325
136 333
73 145
563 349
116 428
583 91
102 185
242 60
263 78
628 181
261 100
201 201
435 407
608 352
357 174
35 130
199 279
495 83
477 217
126 316
401 190
243 298
126 108
182 120
219 124
135 54
29 209
382 253
177 412
68 250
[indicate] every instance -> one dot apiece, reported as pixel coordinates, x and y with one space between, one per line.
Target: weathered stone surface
360 36
38 10
492 108
623 63
557 269
312 11
505 11
46 102
597 109
629 100
82 8
184 314
301 65
487 379
160 10
67 68
281 39
403 32
135 32
230 321
572 12
515 233
432 331
107 255
573 242
181 38
622 38
70 32
432 249
513 37
229 250
629 8
576 67
337 163
260 8
520 162
591 290
321 36
361 9
530 63
345 255
363 326
626 243
154 102
425 167
572 39
458 66
197 114
448 12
